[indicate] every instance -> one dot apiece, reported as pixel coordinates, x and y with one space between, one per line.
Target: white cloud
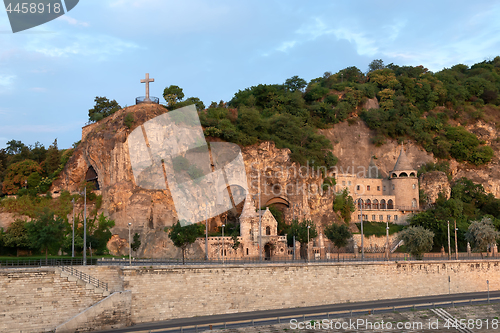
72 21
286 45
6 80
38 89
63 45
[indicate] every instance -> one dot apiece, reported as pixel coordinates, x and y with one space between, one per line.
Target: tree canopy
103 108
184 236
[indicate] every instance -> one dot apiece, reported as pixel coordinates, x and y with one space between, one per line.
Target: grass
378 228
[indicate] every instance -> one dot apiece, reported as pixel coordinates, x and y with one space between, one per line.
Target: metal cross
146 81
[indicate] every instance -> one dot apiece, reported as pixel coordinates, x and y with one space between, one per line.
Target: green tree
339 235
300 231
172 95
376 64
53 159
343 205
47 232
182 237
17 175
295 83
482 234
99 232
17 236
136 243
103 108
417 240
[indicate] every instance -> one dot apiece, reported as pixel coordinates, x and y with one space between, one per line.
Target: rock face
296 190
104 151
433 183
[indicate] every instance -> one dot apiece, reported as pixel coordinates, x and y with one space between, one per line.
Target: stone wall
39 299
112 275
164 293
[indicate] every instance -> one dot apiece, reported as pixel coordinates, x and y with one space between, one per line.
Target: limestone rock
433 183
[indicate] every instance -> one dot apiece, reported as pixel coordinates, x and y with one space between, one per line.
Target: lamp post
129 246
449 245
308 227
223 242
387 233
73 239
360 204
456 242
206 236
85 225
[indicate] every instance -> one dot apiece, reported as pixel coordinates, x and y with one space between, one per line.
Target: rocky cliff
296 190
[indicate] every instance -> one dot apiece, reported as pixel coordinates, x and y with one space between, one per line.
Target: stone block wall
163 293
112 275
39 299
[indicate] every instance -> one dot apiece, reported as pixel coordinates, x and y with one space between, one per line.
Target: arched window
268 230
368 204
375 204
412 174
403 174
414 203
390 204
382 204
394 175
360 204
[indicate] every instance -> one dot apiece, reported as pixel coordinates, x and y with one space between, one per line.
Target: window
414 203
365 217
359 217
388 217
414 186
343 183
395 217
268 230
349 183
380 217
358 187
247 250
393 187
368 187
384 187
378 188
373 217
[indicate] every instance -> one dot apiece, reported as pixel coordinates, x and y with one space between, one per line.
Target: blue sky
50 75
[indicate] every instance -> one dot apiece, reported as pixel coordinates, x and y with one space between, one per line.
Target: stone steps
80 282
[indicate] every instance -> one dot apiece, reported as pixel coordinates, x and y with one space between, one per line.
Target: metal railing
142 99
85 277
343 257
10 263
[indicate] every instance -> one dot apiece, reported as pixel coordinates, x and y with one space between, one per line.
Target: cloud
6 80
286 45
72 21
39 89
100 47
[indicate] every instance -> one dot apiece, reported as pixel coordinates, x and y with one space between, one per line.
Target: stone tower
404 183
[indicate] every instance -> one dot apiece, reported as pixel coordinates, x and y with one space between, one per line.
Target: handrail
85 277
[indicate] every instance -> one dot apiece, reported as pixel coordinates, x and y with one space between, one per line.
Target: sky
50 74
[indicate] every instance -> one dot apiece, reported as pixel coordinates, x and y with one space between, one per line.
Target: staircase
394 246
90 282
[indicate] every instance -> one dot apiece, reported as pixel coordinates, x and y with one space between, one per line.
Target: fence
143 99
369 257
85 277
9 263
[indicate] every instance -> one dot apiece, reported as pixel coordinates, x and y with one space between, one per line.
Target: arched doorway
390 204
267 251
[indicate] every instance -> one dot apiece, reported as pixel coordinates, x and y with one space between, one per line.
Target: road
304 311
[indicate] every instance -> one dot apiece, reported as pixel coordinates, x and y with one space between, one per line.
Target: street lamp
73 241
449 245
206 235
456 242
85 225
360 205
387 233
223 242
129 246
308 227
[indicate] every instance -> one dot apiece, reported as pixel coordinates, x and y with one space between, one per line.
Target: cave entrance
91 177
